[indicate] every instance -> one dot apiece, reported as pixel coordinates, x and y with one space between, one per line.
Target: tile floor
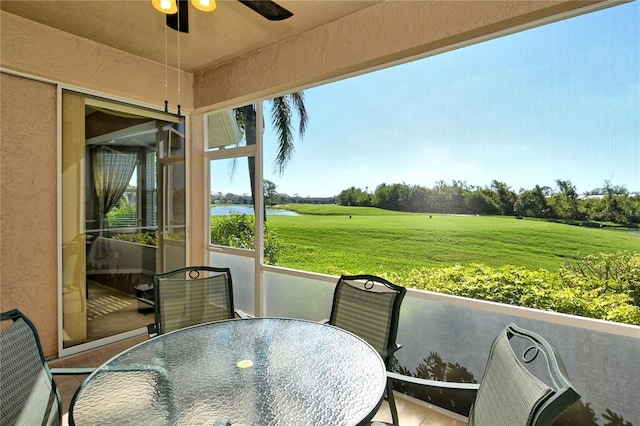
94 358
111 312
410 413
413 414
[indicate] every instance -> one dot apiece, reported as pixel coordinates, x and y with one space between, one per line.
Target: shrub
617 273
607 284
122 216
237 230
603 286
149 238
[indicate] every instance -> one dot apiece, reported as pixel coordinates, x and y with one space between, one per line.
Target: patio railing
449 337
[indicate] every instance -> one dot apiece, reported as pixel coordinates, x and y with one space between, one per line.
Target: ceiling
134 26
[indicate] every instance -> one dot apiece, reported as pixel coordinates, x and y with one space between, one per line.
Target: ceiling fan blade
180 21
267 8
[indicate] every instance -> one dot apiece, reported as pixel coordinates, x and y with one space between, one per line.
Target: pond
225 210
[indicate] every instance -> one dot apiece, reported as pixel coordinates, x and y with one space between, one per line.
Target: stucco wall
28 206
41 51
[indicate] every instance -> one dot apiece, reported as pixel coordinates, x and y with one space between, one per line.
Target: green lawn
337 239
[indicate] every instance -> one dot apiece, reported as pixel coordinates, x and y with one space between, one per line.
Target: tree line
610 203
271 197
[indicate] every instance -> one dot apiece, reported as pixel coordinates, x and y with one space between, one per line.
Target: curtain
112 170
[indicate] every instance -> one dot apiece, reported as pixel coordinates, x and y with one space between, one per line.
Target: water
226 210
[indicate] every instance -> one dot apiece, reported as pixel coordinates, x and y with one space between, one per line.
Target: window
232 141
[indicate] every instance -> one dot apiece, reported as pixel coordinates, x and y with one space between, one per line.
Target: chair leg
392 404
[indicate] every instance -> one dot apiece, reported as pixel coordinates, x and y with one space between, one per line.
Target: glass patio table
258 371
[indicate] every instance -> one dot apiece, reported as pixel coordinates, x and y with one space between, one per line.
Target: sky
561 101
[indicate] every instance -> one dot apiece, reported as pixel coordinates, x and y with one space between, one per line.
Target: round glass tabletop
262 371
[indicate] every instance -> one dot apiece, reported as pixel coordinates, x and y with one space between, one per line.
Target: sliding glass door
123 213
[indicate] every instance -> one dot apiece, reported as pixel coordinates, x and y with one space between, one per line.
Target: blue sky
560 101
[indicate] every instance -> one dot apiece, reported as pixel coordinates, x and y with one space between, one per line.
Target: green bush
607 284
237 230
607 273
603 286
121 216
149 238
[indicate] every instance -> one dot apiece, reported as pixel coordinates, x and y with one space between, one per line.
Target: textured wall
38 50
28 218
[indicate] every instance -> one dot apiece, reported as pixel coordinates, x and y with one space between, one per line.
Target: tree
393 197
482 202
505 198
270 195
348 197
567 205
533 202
283 109
612 206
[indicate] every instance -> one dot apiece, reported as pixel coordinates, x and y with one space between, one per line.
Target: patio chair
369 307
510 393
192 295
28 394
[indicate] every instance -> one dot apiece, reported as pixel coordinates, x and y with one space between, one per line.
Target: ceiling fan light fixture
168 7
204 5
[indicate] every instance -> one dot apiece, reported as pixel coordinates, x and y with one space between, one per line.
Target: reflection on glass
111 212
175 189
224 130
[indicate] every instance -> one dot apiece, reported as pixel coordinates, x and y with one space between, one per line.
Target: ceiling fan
177 11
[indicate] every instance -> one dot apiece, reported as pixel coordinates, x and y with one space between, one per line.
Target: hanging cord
179 34
166 75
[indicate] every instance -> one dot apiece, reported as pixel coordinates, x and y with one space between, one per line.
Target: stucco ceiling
232 30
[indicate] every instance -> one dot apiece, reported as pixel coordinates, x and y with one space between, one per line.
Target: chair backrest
512 394
28 394
192 295
369 307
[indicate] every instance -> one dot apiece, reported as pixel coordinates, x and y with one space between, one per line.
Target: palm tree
283 109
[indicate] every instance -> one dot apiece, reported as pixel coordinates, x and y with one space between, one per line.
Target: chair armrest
72 371
152 330
390 351
433 383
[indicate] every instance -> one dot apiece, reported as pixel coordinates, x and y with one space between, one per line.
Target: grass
337 239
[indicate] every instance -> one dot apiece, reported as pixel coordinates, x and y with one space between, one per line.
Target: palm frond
297 100
282 122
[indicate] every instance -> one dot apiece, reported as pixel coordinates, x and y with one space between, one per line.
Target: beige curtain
112 171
